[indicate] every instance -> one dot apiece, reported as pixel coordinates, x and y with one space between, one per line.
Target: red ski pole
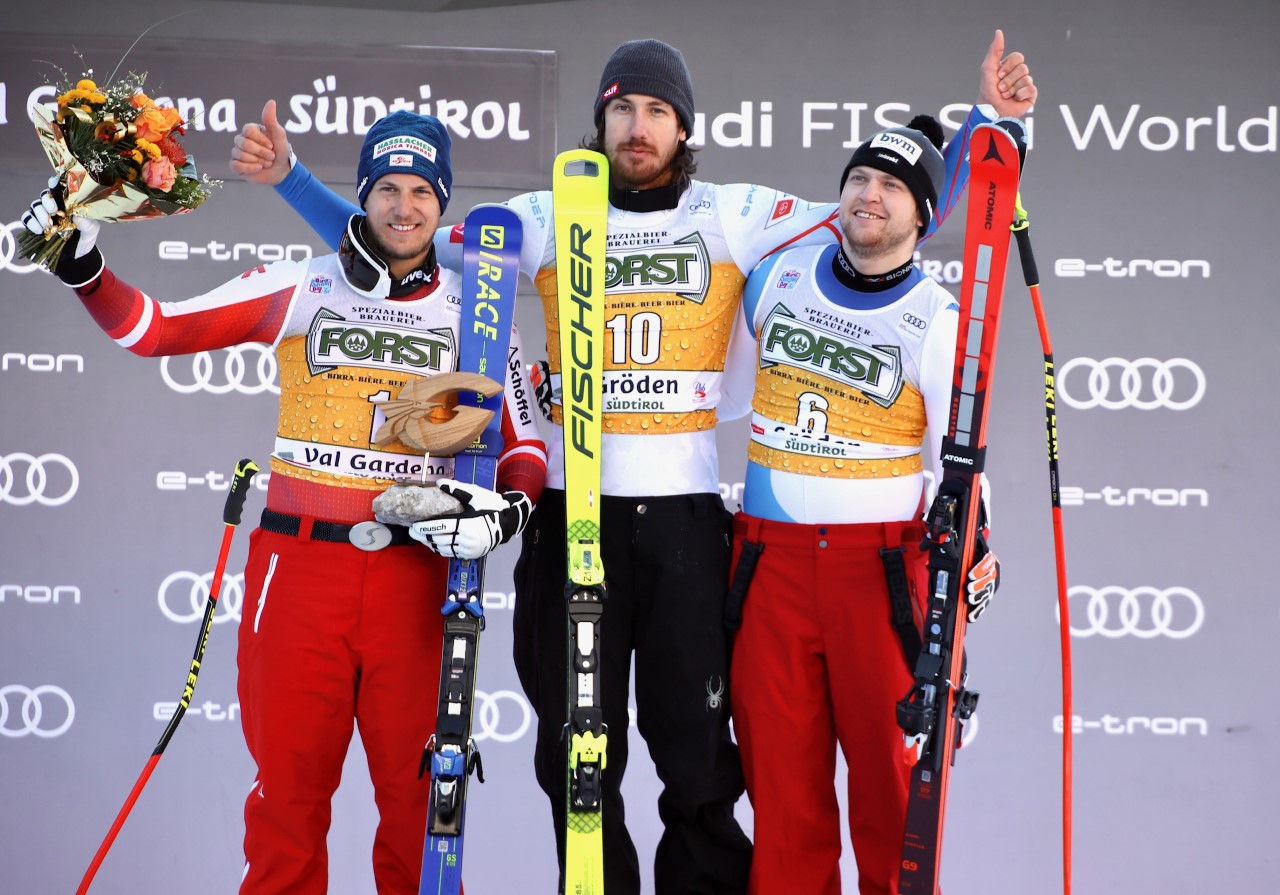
245 471
1032 277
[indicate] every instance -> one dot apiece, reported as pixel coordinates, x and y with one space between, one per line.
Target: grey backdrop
1151 184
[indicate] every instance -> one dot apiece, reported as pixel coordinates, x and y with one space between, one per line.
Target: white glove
487 520
76 265
984 578
50 203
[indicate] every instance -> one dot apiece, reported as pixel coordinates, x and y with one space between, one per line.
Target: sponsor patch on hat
908 149
404 144
610 92
400 160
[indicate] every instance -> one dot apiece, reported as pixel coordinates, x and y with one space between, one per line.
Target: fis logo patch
788 279
320 286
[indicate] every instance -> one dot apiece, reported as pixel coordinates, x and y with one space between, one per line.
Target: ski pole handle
1022 233
245 471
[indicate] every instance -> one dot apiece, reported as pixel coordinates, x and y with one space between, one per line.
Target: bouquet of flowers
117 157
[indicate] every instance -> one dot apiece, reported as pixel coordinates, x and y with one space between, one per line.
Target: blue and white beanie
406 143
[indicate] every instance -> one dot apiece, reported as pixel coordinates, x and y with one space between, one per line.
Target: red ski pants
332 637
816 663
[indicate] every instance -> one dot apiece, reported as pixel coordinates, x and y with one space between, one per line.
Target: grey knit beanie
652 68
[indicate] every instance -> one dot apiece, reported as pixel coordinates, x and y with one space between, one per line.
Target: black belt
323 530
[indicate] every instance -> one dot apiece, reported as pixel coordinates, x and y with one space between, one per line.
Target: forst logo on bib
682 267
874 370
333 341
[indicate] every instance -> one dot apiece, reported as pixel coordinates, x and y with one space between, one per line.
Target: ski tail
933 713
580 185
490 267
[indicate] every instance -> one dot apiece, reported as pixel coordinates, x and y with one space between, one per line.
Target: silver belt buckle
369 536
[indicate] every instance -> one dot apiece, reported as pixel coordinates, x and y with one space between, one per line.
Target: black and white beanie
912 155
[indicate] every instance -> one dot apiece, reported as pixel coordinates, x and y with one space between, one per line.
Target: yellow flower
86 84
151 150
136 155
76 96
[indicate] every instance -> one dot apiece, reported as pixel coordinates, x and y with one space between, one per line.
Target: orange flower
159 174
154 122
141 101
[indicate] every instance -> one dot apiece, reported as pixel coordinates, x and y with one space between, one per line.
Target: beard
656 168
890 239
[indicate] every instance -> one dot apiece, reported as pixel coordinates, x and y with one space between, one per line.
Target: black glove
487 520
80 262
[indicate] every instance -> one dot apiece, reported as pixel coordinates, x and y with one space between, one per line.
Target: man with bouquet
336 632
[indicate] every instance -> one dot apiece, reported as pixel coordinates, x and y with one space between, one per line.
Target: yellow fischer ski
580 185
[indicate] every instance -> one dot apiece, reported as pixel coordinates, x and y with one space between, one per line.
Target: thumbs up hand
261 151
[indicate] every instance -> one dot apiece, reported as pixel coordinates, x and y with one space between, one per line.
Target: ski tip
491 209
1018 131
582 163
995 144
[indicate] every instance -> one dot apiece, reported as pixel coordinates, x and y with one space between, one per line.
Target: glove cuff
78 272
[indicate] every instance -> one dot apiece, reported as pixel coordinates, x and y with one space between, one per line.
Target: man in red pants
855 350
338 631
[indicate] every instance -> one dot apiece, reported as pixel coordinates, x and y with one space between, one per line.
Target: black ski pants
666 562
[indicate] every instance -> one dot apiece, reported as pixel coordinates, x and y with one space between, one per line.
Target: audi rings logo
248 369
1142 612
49 479
1143 384
46 711
502 716
10 260
183 596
